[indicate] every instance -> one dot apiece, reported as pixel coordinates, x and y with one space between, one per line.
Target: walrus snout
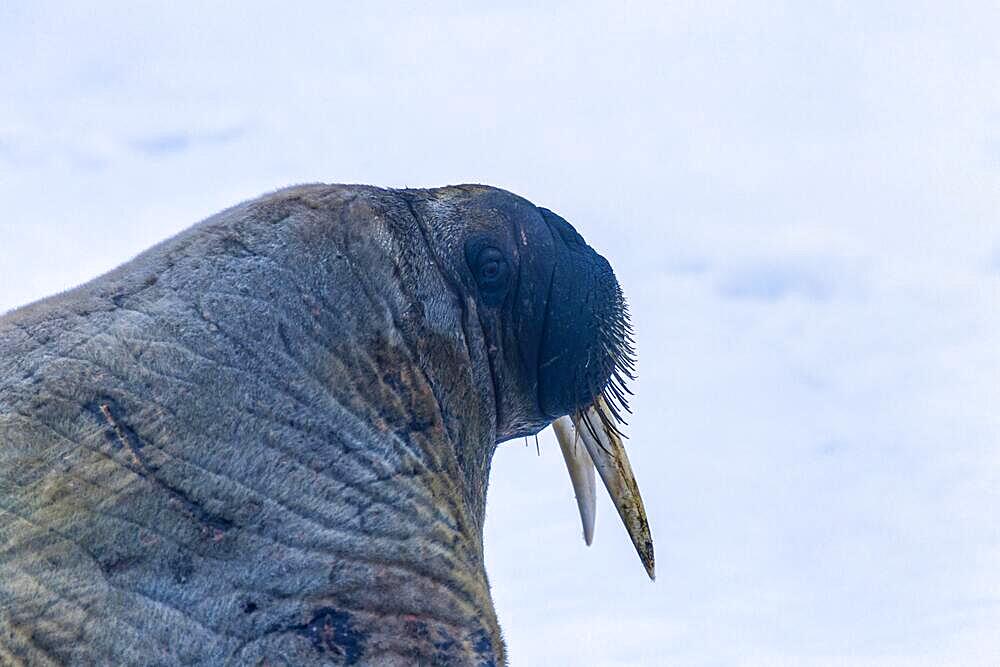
586 355
586 342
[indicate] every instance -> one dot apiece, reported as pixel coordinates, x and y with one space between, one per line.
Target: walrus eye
492 271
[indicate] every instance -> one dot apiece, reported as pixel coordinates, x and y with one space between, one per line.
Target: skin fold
267 440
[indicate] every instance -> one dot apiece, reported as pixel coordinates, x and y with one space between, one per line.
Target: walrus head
557 330
553 315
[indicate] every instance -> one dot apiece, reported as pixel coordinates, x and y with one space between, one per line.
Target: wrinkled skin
267 440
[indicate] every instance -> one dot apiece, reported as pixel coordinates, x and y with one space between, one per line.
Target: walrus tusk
608 454
581 473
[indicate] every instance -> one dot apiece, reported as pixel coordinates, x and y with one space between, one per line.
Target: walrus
267 440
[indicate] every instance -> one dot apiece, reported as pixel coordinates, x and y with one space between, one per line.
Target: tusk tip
648 561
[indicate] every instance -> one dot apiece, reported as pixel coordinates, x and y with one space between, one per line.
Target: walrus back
101 528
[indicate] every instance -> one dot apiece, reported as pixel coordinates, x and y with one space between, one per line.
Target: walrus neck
315 485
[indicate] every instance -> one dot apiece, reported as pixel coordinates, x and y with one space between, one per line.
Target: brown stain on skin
123 438
385 391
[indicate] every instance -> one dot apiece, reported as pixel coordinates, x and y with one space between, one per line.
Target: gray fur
263 441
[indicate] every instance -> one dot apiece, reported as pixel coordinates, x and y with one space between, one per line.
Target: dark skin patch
121 434
331 631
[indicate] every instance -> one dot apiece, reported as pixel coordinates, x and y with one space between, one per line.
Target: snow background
801 203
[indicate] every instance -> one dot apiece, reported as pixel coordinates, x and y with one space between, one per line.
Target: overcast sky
801 203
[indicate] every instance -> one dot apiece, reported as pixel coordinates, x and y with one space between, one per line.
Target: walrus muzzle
585 360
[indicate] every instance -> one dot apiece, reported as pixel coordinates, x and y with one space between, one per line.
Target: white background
800 200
